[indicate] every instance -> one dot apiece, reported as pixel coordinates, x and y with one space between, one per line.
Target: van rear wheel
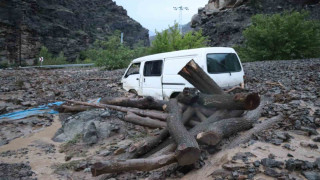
174 95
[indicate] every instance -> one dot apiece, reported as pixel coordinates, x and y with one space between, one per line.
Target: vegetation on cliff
110 53
281 36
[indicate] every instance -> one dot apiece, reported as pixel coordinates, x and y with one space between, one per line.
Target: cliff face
224 20
68 26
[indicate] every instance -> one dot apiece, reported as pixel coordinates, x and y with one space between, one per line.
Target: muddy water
40 162
260 150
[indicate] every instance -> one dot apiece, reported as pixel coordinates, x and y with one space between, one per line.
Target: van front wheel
133 91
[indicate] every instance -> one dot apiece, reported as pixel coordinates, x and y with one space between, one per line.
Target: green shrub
49 59
172 40
281 36
110 53
4 65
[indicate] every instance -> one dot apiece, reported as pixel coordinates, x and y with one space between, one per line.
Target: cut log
243 138
148 113
148 144
203 126
193 123
142 103
231 102
195 75
188 151
212 133
201 116
220 101
115 166
144 121
204 110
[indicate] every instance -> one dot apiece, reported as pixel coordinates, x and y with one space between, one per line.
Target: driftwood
231 102
194 74
215 118
201 116
149 113
212 133
137 150
219 116
188 151
141 103
71 109
114 166
144 121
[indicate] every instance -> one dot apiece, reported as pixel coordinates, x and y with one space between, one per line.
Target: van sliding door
152 79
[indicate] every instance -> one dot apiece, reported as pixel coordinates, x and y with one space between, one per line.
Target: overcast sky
158 14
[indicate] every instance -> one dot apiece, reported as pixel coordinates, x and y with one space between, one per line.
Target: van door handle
137 79
144 79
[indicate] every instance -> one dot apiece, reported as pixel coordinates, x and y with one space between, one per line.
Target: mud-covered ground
63 146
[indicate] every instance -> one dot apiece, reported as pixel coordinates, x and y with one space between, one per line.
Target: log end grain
210 138
252 101
187 155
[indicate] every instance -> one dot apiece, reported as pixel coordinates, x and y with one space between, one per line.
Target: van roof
185 53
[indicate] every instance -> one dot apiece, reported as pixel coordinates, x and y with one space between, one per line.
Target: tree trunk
201 116
148 144
231 102
188 151
149 113
115 166
212 133
215 118
144 121
195 75
142 103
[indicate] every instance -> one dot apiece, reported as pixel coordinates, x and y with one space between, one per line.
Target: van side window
134 69
223 63
153 68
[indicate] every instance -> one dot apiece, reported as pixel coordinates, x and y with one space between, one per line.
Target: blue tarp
30 112
43 109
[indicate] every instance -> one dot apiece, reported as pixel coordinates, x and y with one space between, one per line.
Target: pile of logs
206 115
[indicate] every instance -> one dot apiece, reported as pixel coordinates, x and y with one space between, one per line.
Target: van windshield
223 63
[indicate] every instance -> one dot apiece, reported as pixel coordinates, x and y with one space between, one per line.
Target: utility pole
180 8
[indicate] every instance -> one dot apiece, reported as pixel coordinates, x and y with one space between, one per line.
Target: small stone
272 172
277 142
271 163
311 175
290 155
105 114
105 153
316 139
310 131
67 157
233 166
256 163
119 151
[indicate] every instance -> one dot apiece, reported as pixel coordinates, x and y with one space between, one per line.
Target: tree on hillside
172 40
290 35
110 53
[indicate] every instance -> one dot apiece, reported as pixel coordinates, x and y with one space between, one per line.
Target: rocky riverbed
62 146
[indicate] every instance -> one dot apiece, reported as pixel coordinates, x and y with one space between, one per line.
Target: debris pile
193 117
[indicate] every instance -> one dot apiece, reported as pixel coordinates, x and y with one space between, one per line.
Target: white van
157 75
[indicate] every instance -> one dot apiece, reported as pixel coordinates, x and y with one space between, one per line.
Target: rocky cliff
68 26
224 20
